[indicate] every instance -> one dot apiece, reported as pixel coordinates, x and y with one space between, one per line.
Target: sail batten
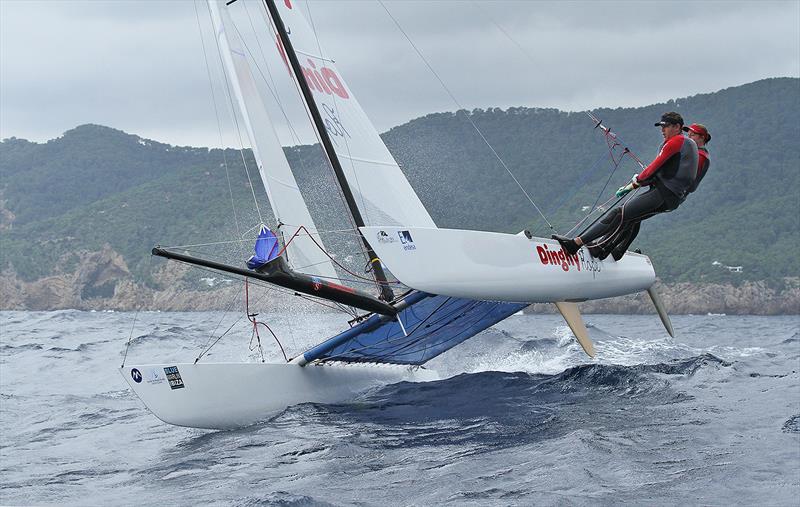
366 161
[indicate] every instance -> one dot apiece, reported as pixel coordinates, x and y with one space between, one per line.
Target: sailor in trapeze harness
671 176
617 244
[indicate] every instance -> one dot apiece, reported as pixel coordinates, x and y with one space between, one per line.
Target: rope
130 337
208 347
612 142
364 207
135 317
348 215
216 115
453 98
337 263
238 129
252 318
583 178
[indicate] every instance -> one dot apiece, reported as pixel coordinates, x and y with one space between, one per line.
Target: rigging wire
346 144
264 285
130 337
246 281
453 98
252 318
343 200
356 280
612 140
334 261
237 127
135 317
273 91
206 347
216 114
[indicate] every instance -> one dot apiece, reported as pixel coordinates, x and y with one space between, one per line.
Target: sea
520 417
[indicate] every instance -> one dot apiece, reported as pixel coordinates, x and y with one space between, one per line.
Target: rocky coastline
102 281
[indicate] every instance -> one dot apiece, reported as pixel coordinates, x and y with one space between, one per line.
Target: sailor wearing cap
670 177
699 134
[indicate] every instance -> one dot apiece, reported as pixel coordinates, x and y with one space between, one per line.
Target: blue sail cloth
266 248
434 325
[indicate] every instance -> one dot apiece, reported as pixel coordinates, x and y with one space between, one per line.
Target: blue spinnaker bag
266 248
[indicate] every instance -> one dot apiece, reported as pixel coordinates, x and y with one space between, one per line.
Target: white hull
503 267
232 395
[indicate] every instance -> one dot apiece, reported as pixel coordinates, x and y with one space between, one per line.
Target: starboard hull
493 266
233 395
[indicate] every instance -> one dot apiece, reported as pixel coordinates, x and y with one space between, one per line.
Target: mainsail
284 195
381 190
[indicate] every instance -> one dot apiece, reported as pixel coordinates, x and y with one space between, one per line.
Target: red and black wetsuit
675 167
703 161
670 177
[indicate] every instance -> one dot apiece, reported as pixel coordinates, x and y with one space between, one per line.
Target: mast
319 126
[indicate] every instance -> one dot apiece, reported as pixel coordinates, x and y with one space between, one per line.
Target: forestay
284 195
381 190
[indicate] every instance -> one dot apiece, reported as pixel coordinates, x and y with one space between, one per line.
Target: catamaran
459 282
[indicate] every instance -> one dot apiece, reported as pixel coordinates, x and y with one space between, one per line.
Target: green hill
96 185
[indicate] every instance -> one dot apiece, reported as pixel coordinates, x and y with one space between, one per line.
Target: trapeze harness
703 162
671 176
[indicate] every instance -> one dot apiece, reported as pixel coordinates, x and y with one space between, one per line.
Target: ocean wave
284 499
489 410
20 348
792 425
83 347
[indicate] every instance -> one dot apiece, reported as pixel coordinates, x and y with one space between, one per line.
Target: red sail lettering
283 55
321 86
333 83
311 79
322 82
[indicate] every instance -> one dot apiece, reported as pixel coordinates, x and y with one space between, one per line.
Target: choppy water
712 418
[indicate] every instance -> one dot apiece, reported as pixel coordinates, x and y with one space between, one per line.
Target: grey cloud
139 66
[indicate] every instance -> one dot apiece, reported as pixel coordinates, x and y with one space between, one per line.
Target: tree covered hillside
96 185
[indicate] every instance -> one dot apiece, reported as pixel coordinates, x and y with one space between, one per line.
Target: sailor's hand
622 191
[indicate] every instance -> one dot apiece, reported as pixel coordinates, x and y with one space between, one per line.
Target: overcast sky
138 65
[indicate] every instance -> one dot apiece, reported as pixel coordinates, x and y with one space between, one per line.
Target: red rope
311 237
252 318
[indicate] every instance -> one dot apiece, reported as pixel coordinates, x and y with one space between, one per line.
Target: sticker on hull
174 377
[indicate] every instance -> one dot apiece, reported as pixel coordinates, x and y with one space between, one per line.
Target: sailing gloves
622 191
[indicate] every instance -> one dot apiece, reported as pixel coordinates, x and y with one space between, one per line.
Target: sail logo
558 258
136 375
325 80
405 239
333 124
174 377
153 377
383 237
